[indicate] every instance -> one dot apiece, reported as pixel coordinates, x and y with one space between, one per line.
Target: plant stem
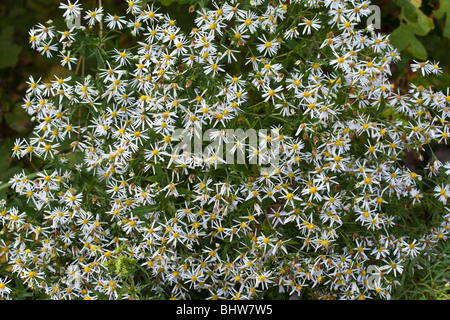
100 33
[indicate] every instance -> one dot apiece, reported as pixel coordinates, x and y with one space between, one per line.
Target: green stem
29 177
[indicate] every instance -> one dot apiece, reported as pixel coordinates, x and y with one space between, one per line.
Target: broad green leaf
423 25
143 210
5 159
444 10
153 179
444 7
416 3
10 52
417 21
417 49
75 158
404 38
100 61
166 2
409 10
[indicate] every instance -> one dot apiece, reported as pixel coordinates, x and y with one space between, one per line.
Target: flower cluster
120 212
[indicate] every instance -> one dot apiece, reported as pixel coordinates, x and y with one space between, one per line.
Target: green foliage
432 282
413 23
444 10
419 24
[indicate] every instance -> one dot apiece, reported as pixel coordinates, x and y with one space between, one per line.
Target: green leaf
417 49
444 7
416 3
153 179
143 210
5 160
404 38
10 52
183 191
413 23
444 10
409 9
419 22
422 24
